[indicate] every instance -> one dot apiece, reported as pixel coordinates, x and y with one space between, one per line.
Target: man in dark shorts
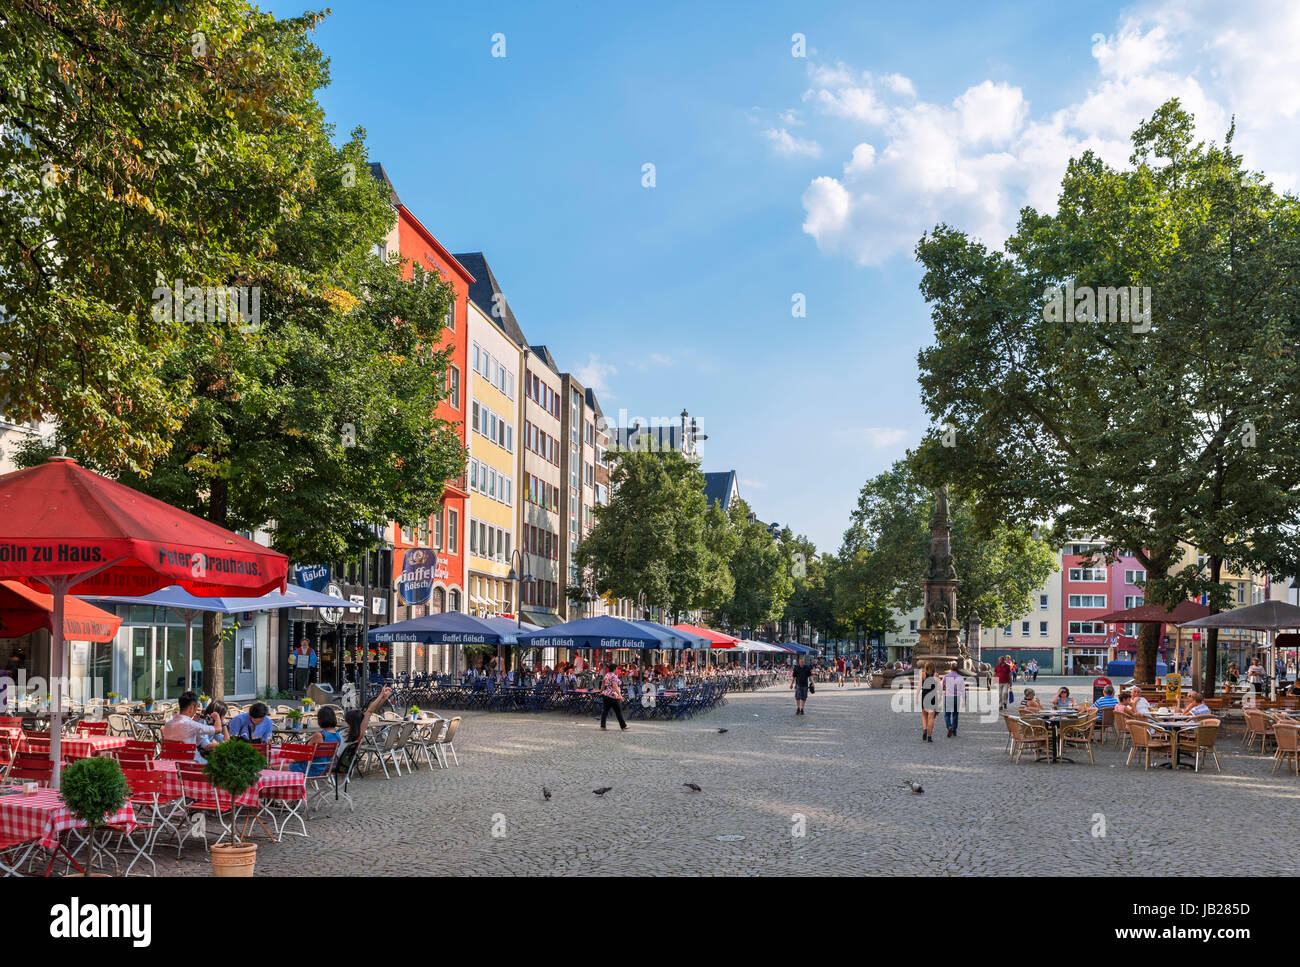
801 682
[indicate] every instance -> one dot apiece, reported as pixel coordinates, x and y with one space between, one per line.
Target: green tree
1174 423
651 537
760 571
140 143
312 415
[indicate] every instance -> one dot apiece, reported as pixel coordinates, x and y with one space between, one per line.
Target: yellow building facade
495 365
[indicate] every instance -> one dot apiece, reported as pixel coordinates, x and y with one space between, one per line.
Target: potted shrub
294 715
111 696
92 790
233 767
415 712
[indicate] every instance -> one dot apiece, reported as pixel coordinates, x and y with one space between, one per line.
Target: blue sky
774 175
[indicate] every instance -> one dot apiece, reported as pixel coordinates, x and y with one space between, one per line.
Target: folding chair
447 741
319 770
202 798
177 751
28 768
149 793
87 727
10 864
145 746
281 804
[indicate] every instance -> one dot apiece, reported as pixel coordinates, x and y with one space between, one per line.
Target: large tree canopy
1127 367
308 410
140 143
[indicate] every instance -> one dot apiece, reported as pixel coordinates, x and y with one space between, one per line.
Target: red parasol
62 526
23 610
716 638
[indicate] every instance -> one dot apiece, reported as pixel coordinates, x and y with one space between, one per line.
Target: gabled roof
380 175
485 293
594 403
719 486
544 354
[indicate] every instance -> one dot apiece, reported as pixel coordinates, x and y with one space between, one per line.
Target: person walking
929 701
801 682
954 696
1002 672
611 693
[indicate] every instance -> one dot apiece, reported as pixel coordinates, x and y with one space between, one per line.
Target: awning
23 610
543 619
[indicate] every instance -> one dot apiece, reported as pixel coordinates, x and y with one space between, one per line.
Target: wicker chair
1079 734
1027 735
1257 727
1207 732
1120 723
1160 745
1286 739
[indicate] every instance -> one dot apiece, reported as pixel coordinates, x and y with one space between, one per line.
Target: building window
453 387
451 315
1135 577
437 531
1042 629
1134 600
1241 592
1042 602
1087 601
1087 574
1024 629
453 526
911 625
1006 632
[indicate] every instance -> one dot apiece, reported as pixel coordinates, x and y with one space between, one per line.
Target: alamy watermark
194 303
1109 304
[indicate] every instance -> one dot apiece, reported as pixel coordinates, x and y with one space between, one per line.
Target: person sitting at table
215 708
1196 704
253 725
1063 699
358 721
1136 704
184 726
1106 700
328 723
1030 703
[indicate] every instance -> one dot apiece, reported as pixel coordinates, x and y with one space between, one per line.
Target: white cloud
977 159
884 436
593 375
752 484
784 143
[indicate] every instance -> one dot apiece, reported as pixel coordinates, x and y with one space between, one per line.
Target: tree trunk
214 663
1210 670
1144 668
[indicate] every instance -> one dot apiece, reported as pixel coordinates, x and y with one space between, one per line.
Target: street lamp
517 556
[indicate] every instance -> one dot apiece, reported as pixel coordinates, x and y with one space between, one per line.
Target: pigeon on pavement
914 786
691 786
720 731
602 790
546 794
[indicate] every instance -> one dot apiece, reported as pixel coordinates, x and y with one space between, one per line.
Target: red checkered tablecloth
85 746
44 816
270 779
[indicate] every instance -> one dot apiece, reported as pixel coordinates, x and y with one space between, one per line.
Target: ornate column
939 633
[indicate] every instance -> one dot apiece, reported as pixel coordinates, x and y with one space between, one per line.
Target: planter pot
234 860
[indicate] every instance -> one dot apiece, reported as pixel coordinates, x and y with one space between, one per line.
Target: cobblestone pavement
842 768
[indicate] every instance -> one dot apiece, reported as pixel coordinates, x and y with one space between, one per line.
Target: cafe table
1054 718
44 817
1174 723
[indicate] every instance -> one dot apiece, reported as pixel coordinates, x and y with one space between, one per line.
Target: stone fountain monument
939 633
